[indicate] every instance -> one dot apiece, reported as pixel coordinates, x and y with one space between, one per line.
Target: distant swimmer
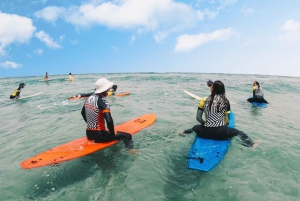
96 114
46 77
258 95
86 95
210 83
17 93
71 77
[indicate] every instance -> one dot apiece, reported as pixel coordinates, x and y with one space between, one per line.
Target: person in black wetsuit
258 94
86 95
17 93
96 112
216 108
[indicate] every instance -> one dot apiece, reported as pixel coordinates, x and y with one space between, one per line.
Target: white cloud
291 30
189 42
44 37
115 49
9 64
160 36
132 39
39 51
227 2
61 38
247 11
150 15
74 42
14 29
50 13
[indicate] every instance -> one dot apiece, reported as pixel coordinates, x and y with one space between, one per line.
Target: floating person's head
209 83
21 85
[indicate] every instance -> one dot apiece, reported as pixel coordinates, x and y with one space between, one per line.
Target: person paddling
17 93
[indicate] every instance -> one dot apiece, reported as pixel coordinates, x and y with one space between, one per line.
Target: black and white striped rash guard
217 115
95 106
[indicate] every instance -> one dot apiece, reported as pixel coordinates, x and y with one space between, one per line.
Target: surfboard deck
82 146
205 154
192 95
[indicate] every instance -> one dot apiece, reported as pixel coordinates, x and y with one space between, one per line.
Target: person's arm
83 114
228 115
200 111
199 116
109 122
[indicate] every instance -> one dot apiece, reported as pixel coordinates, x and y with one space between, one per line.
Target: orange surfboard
82 146
122 94
117 95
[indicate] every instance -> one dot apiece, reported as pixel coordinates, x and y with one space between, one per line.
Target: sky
131 36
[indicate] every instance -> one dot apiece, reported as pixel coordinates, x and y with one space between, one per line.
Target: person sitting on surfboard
17 93
258 95
96 112
110 93
216 108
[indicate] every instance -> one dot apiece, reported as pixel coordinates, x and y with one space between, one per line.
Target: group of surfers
216 107
46 78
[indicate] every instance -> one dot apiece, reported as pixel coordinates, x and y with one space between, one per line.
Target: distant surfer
258 95
210 83
46 77
86 95
17 93
71 77
216 108
96 112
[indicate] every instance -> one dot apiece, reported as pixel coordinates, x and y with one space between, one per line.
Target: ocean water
159 170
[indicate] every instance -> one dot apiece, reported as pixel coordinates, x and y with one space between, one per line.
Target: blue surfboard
205 154
262 105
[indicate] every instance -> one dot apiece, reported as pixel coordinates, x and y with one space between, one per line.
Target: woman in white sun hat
96 112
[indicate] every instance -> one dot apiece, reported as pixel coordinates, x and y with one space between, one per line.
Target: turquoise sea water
159 170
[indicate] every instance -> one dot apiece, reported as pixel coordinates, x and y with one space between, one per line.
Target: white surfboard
192 95
22 97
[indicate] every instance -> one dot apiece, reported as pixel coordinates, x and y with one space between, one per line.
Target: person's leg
127 139
99 136
243 136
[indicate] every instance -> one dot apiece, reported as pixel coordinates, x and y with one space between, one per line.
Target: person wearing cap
210 83
86 95
216 108
96 111
17 93
258 95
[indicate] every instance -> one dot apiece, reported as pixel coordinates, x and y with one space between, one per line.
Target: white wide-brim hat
102 85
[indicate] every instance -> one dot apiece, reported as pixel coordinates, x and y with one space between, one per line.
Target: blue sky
120 36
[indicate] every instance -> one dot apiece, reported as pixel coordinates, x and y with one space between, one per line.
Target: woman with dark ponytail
258 95
216 108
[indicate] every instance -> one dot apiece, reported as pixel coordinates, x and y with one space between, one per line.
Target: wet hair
257 84
22 85
218 89
70 74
